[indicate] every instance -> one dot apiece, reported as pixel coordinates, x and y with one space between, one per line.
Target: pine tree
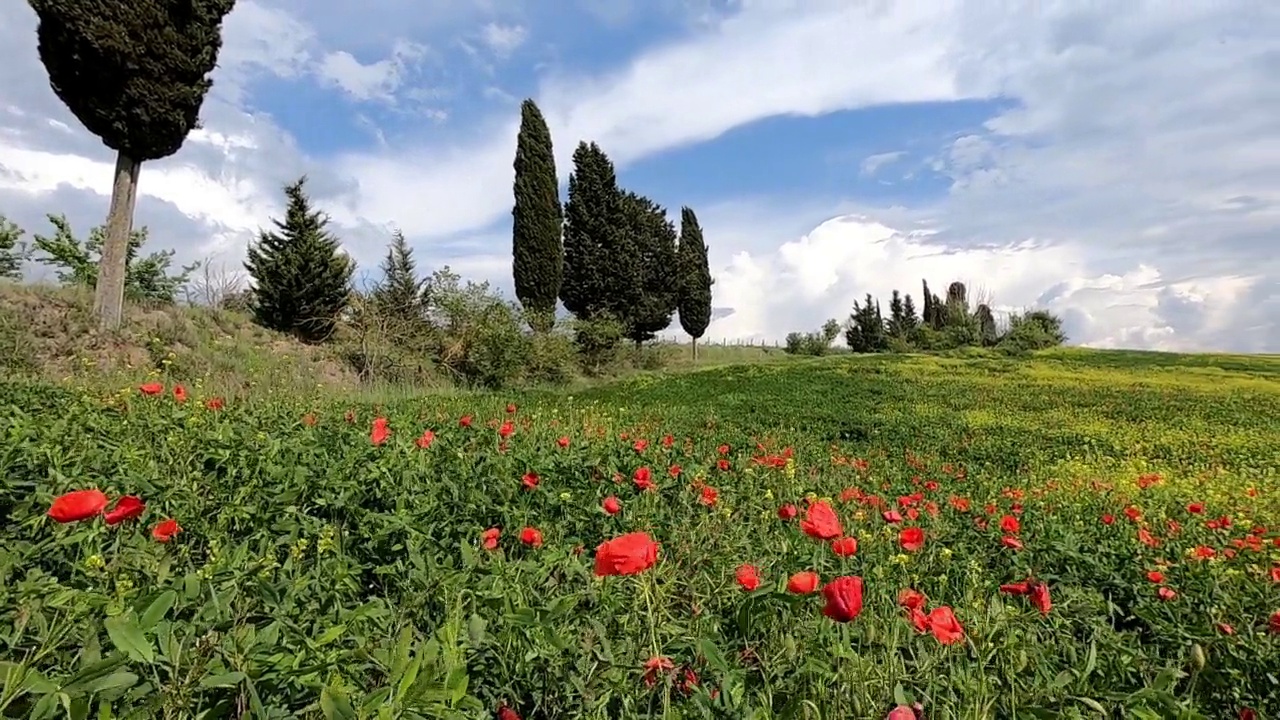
537 252
593 238
134 73
897 321
910 321
401 293
301 278
694 302
652 239
12 252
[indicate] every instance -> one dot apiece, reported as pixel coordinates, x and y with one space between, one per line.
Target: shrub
597 341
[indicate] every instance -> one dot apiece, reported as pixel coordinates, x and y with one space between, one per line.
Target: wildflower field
1081 535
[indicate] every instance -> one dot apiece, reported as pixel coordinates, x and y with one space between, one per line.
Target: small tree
401 294
694 303
910 321
12 252
301 278
134 73
897 316
147 278
536 248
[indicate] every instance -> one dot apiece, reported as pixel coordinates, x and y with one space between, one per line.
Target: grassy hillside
351 554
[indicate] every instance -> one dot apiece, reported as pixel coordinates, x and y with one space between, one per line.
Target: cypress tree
400 294
134 73
651 238
910 321
694 302
537 253
927 313
301 278
897 320
595 267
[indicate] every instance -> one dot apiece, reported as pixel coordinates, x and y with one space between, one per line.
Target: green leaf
113 681
331 634
335 705
128 638
158 609
230 679
709 651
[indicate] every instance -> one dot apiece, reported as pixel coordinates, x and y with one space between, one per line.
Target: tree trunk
695 348
108 295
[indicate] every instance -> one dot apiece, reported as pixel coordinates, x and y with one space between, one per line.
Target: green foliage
814 344
594 267
401 294
651 239
147 278
319 575
12 252
301 278
552 359
1032 330
694 305
597 341
537 252
134 72
865 331
476 334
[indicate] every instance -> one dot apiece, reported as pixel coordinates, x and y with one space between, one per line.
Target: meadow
1078 535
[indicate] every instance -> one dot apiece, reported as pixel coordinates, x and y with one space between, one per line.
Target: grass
319 573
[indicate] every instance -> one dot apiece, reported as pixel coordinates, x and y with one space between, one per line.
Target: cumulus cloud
501 39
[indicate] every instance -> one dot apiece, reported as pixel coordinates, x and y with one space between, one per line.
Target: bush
597 342
475 334
552 359
1034 330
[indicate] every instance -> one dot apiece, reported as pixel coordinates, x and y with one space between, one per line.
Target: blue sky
1047 153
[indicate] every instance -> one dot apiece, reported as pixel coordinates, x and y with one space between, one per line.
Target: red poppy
1009 524
532 537
643 478
748 577
674 471
803 583
911 599
1195 508
960 504
151 388
563 441
911 539
1155 576
1039 593
506 713
653 666
628 554
845 546
506 430
821 522
1133 513
1108 519
901 712
722 465
1275 574
1224 628
511 408
165 530
1273 622
668 441
788 512
944 625
1010 541
640 445
179 393
918 618
891 516
379 433
464 421
709 496
844 598
489 538
612 505
127 508
78 505
723 449
530 480
214 403
1166 594
1247 713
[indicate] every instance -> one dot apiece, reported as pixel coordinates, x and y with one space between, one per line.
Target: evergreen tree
147 278
694 277
301 278
537 252
401 293
12 252
651 237
897 320
910 321
134 73
956 310
986 325
594 233
927 311
865 330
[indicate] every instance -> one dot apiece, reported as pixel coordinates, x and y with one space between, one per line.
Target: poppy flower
506 430
127 508
640 445
653 666
674 471
563 441
511 408
1166 594
748 577
425 439
151 388
820 522
668 441
506 713
643 478
1275 574
1224 628
845 546
530 480
165 530
1195 508
489 538
531 537
214 403
844 598
179 393
628 554
1039 594
787 512
1273 622
723 449
379 433
1155 576
612 505
709 496
901 712
1010 541
944 625
464 421
911 539
803 583
78 505
1247 713
891 516
1009 524
1108 519
309 419
722 465
911 599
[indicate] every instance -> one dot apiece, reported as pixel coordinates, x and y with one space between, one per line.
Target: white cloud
872 164
377 80
503 40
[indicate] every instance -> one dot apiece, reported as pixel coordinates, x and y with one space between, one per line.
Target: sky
1115 163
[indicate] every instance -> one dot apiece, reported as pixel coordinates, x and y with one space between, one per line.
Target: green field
319 573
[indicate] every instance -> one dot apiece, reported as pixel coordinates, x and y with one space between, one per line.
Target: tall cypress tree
301 278
537 253
928 309
651 238
400 294
694 302
134 73
595 266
